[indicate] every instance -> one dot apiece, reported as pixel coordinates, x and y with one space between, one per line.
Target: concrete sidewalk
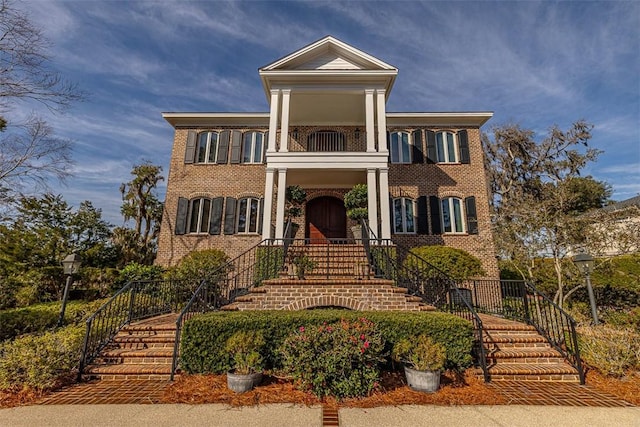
292 415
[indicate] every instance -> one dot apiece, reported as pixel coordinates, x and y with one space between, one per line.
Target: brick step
128 372
148 339
136 356
512 338
533 372
525 355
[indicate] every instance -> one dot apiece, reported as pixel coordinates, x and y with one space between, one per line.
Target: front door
326 219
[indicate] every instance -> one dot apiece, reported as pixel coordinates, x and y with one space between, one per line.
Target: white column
385 216
284 121
268 204
382 121
368 109
273 120
372 198
282 186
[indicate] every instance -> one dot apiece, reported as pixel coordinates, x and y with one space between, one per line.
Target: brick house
327 130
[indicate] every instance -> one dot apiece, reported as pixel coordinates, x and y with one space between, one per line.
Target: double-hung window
248 215
207 147
446 147
199 214
252 147
400 146
404 215
452 215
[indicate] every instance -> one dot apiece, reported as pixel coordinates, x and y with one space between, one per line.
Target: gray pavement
293 415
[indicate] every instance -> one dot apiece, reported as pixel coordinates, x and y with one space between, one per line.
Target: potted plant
295 196
356 202
244 348
300 262
423 361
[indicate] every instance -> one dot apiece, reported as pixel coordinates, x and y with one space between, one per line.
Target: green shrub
200 264
40 361
204 336
269 263
40 317
611 351
339 359
456 263
355 201
244 348
137 272
420 353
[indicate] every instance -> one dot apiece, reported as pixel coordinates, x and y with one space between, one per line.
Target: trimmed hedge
204 336
40 317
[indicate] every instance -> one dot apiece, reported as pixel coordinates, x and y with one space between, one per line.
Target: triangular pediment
328 53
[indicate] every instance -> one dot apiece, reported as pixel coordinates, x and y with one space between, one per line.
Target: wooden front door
326 219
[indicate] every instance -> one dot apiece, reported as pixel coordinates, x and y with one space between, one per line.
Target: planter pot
357 233
427 381
241 383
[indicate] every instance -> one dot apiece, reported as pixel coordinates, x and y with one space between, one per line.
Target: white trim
320 160
268 203
282 186
372 200
452 218
385 227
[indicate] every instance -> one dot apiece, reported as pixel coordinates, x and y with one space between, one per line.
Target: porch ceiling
318 108
327 178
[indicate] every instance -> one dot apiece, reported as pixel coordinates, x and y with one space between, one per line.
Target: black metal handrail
408 270
519 300
136 300
235 278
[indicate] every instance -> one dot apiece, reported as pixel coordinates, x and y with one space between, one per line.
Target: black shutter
260 214
432 154
418 157
181 217
223 147
472 216
190 151
463 146
230 215
216 215
236 146
423 222
434 207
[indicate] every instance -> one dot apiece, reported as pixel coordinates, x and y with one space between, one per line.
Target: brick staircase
341 278
141 350
517 352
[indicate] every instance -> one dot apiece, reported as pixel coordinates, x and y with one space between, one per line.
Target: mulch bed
455 389
626 388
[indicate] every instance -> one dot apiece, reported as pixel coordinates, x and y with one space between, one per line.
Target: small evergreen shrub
269 263
338 359
420 353
456 263
134 272
355 201
244 349
40 361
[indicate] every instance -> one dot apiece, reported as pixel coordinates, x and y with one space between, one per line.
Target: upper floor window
248 209
207 147
403 215
252 147
447 151
326 141
400 147
452 215
199 215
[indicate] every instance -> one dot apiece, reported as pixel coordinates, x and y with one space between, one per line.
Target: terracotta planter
241 383
427 381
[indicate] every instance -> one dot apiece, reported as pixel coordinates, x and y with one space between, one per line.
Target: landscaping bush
40 361
269 262
612 351
456 263
338 359
204 336
40 317
137 272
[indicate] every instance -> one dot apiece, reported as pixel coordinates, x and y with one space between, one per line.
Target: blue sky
532 63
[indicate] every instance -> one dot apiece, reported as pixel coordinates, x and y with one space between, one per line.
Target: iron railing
432 285
236 278
519 300
136 300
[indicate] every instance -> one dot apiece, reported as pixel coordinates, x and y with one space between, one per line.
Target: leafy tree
140 204
539 198
30 153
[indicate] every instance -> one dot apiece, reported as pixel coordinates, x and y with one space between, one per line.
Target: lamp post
71 266
584 262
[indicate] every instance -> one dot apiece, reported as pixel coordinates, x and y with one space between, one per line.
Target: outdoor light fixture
357 134
71 265
294 134
585 263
